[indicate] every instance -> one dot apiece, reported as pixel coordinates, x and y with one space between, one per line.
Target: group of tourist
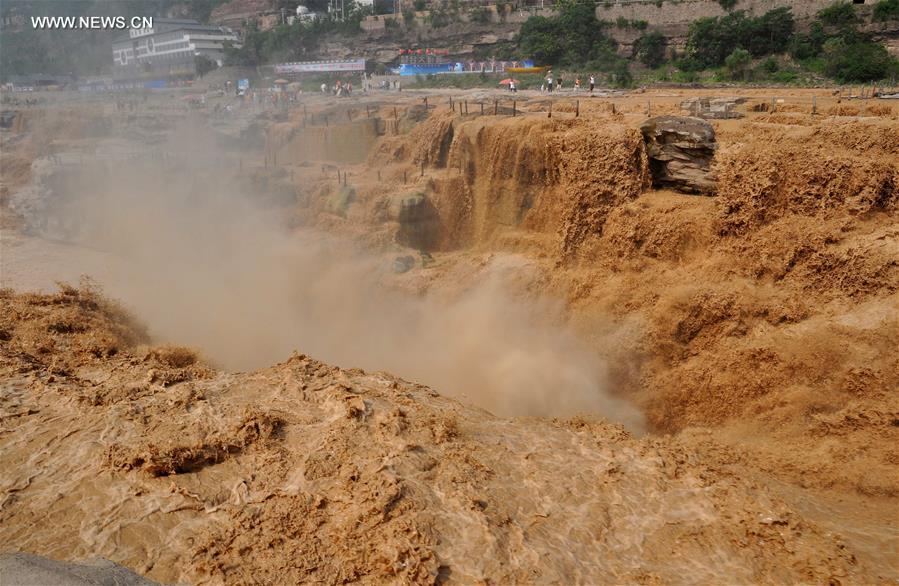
339 89
551 84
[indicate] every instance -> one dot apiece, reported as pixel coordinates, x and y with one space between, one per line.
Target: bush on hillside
738 63
839 14
571 38
886 10
711 40
650 49
806 46
857 62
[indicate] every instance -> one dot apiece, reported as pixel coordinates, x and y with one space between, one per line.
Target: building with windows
169 49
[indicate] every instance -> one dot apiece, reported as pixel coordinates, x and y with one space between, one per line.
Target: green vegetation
204 65
479 14
857 62
571 38
650 49
738 64
292 42
711 40
848 55
574 38
833 43
886 10
839 14
624 23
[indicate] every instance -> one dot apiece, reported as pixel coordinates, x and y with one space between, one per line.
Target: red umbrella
508 81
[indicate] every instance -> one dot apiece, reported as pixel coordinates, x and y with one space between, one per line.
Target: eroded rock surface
680 152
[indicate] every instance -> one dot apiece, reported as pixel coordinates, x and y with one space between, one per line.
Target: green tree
571 38
839 14
857 62
805 46
621 74
886 10
738 63
479 14
769 33
650 49
539 40
204 65
711 40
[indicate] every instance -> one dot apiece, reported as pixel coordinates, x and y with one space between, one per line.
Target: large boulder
419 222
680 151
717 108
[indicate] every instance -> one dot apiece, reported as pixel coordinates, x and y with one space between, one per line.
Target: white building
170 48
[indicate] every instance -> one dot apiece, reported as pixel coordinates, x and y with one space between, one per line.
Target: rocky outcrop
419 222
715 108
680 152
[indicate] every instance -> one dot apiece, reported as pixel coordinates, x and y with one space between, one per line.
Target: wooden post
495 107
338 177
648 108
426 102
577 108
395 116
514 108
367 111
451 104
814 105
404 176
482 108
466 107
422 168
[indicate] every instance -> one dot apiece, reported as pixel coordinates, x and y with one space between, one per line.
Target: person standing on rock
512 87
549 81
592 83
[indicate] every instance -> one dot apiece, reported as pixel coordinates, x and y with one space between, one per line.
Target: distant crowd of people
339 89
552 84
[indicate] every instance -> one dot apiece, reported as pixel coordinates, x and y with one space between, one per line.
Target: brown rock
680 152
